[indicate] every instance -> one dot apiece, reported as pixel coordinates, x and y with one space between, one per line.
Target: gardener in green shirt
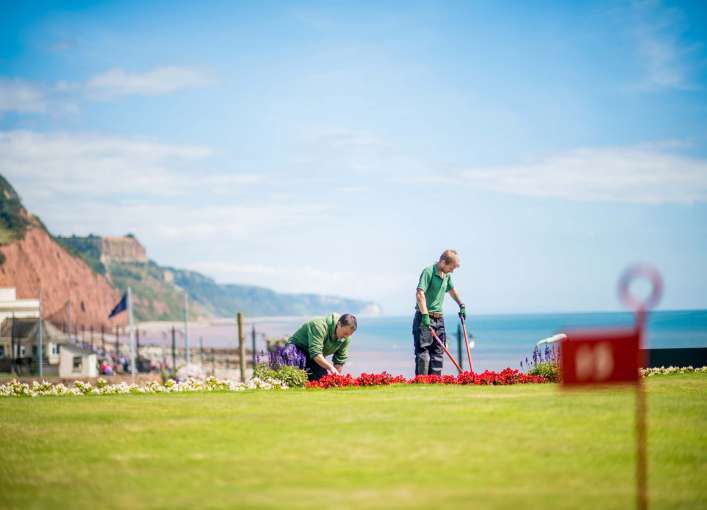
435 282
322 337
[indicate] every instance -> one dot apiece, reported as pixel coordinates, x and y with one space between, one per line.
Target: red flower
504 377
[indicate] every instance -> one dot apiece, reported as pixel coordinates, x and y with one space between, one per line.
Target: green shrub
547 369
292 376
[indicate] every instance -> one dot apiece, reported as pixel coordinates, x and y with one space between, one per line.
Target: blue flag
120 307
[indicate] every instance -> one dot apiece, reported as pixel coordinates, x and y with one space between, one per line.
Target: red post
615 356
641 428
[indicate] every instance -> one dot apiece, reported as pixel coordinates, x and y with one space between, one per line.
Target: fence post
254 356
174 351
13 363
137 348
241 345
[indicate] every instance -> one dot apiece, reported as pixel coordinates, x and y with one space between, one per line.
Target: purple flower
288 354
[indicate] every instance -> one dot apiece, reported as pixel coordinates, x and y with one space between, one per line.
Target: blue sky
339 147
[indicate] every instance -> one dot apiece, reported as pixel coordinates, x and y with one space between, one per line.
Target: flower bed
504 377
36 389
650 372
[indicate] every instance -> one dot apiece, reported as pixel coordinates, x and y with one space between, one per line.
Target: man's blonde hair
449 256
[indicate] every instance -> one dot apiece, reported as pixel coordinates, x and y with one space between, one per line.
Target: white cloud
22 97
666 60
163 80
168 224
97 165
634 174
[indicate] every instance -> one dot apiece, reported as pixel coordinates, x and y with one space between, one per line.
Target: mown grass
394 447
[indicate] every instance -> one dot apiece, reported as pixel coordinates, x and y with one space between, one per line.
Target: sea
500 341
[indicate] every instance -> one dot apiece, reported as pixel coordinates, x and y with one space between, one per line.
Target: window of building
77 363
2 351
55 349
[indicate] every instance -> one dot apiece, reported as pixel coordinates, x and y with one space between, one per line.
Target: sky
339 147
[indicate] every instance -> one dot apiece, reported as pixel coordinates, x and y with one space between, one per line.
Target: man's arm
458 299
341 355
320 360
455 296
421 301
422 306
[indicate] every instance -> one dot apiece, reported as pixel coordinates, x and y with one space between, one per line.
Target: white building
75 361
19 327
20 308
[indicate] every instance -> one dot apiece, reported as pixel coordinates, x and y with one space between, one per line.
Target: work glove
462 311
425 320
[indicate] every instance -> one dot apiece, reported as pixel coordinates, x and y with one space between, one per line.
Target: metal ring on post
632 273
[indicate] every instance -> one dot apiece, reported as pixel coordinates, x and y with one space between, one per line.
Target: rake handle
466 341
434 335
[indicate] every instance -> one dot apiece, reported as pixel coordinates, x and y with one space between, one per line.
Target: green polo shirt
318 336
434 287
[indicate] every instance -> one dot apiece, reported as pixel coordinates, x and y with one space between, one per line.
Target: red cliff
38 262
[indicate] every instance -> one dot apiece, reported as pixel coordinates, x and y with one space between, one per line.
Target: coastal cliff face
37 262
122 249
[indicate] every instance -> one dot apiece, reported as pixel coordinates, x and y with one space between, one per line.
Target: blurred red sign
600 357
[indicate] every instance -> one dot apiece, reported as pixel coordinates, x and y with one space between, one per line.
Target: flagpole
40 338
131 330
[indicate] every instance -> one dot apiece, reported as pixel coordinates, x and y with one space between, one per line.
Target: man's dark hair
348 320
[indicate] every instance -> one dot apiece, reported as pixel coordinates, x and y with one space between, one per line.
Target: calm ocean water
385 343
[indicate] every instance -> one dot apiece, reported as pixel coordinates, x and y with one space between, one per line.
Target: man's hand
425 320
462 311
332 370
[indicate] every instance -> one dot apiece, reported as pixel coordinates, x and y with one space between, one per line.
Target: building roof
77 349
27 329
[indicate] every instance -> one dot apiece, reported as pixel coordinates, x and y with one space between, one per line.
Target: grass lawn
390 447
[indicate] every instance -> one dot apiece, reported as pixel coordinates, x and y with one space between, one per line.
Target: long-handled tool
441 344
466 341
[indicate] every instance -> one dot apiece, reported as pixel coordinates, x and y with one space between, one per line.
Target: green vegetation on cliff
88 248
14 219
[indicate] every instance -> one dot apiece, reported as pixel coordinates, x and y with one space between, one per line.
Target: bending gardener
322 337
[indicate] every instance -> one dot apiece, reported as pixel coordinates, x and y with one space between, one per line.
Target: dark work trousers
429 356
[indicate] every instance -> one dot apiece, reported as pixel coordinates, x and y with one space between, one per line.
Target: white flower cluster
18 389
650 372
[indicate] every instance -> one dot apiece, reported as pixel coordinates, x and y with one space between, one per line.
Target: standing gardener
322 337
435 282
